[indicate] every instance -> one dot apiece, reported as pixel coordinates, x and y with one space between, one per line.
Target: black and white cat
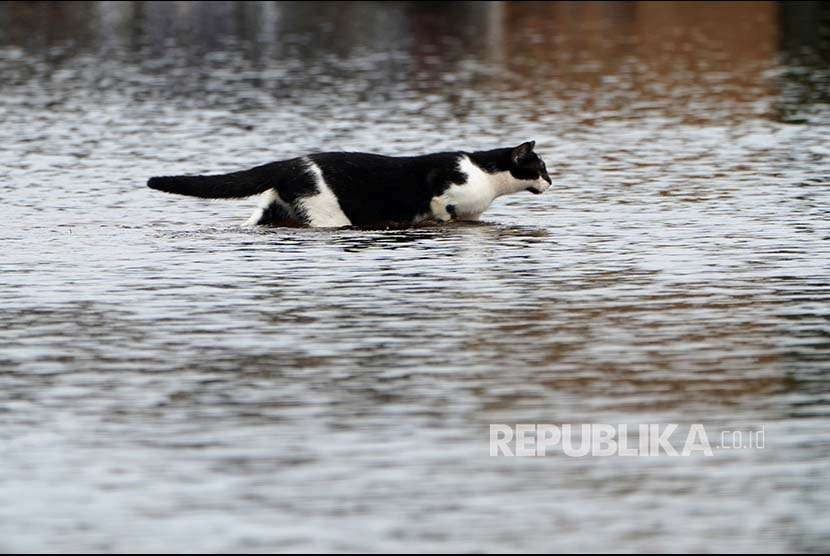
344 189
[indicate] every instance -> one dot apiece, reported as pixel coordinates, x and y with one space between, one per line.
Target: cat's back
370 162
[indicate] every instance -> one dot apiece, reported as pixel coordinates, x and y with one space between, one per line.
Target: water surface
171 381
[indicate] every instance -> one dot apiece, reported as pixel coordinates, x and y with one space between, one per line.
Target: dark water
171 381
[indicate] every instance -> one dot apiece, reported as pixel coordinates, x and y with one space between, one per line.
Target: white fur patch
266 200
470 198
322 209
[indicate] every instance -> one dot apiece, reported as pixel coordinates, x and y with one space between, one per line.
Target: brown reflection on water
685 57
39 26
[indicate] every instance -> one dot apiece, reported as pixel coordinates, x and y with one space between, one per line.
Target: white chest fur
468 200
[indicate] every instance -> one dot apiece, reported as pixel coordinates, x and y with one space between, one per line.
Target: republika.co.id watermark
596 439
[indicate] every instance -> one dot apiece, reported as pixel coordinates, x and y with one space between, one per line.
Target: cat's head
527 166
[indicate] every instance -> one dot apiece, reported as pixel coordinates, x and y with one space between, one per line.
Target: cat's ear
522 151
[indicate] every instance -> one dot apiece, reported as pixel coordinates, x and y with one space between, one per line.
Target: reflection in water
171 381
805 44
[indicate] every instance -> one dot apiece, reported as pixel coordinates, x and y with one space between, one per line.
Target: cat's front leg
441 208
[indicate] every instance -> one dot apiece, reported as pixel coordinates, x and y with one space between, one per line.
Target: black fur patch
276 215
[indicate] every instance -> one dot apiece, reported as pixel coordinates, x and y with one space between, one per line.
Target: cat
335 189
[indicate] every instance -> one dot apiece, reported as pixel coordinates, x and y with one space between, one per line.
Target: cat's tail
224 186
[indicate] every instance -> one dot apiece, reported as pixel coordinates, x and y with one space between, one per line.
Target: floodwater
172 381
